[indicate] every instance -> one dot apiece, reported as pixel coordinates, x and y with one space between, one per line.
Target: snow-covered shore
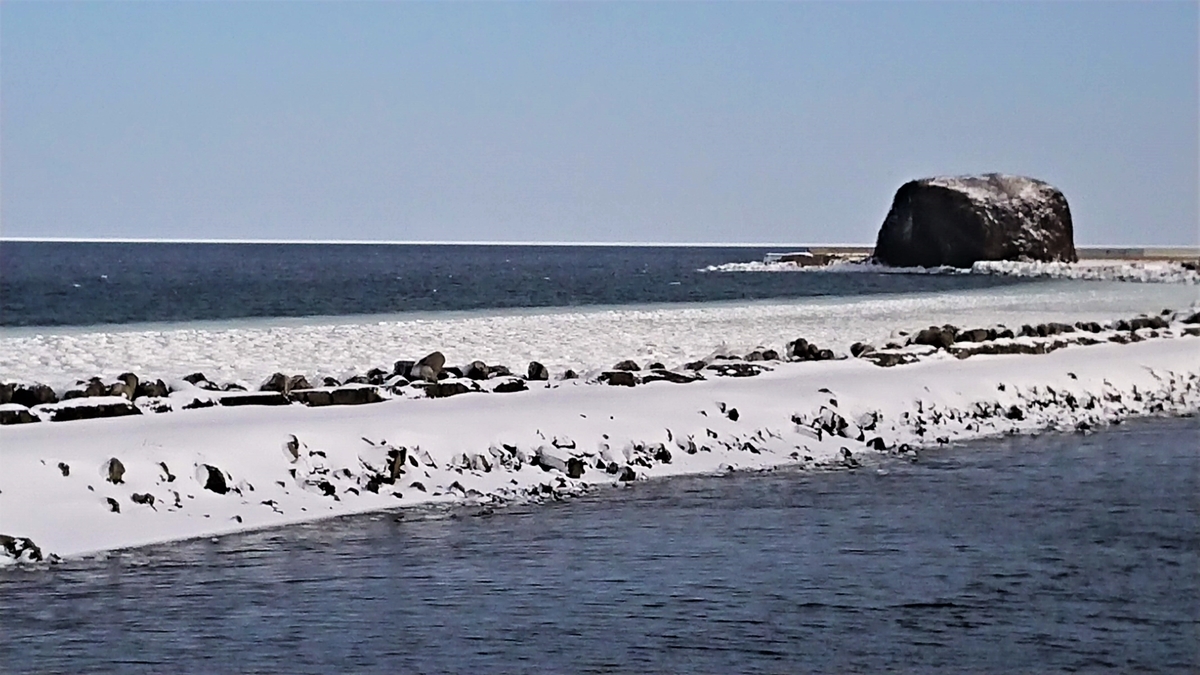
578 338
1145 271
217 470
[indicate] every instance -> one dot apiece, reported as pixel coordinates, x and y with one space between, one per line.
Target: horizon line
366 242
596 244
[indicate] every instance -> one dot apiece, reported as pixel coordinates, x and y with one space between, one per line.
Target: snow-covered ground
581 339
215 470
1147 271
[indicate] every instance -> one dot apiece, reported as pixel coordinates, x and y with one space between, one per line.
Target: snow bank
215 470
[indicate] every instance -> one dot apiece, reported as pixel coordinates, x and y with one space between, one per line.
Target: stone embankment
431 377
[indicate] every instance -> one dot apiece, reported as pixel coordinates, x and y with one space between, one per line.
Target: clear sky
676 122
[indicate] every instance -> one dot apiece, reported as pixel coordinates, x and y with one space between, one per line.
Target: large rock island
959 220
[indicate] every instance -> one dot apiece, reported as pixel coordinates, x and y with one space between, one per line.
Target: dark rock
959 221
825 355
375 376
499 371
34 394
197 378
20 549
618 378
627 365
64 468
510 385
662 454
537 372
232 386
670 376
1147 322
975 335
120 389
656 366
94 387
1193 319
889 359
276 382
113 471
156 389
330 382
17 416
297 382
403 368
569 374
355 396
694 365
755 355
1088 326
71 394
198 403
934 336
476 370
428 368
113 505
575 467
627 474
6 392
213 479
131 382
446 389
254 398
797 349
450 371
770 355
69 413
733 414
358 379
736 369
859 348
142 498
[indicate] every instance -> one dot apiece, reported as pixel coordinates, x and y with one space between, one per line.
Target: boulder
428 368
33 394
81 409
507 385
113 471
537 372
19 549
253 398
15 413
276 382
156 389
627 365
958 221
212 479
859 348
6 392
476 370
618 378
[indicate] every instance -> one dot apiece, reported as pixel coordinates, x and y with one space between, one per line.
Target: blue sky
676 122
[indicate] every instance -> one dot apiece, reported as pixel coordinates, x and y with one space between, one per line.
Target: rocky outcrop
958 221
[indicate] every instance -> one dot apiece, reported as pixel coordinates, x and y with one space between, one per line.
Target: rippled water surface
88 283
1058 553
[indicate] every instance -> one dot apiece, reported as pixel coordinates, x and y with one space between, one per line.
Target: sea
1061 553
1055 553
89 283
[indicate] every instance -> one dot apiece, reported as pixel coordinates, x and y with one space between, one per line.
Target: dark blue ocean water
1064 553
56 283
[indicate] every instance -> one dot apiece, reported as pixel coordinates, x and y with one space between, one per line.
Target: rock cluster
431 377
